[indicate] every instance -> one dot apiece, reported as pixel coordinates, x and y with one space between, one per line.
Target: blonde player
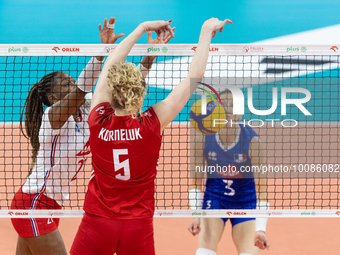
119 203
236 148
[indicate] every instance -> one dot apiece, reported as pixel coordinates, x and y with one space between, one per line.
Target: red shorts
97 235
29 227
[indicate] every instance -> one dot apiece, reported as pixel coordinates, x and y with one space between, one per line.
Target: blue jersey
229 179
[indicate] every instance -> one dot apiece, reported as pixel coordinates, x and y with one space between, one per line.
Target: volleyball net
289 95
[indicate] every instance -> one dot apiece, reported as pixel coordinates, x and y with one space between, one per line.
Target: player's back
125 153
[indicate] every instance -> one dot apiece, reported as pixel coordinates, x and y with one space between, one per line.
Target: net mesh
300 150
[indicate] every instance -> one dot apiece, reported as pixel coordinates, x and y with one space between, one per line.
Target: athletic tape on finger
112 26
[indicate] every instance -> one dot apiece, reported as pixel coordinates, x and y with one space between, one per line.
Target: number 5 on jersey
119 165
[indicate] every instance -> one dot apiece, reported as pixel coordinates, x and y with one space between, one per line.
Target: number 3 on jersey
231 191
119 165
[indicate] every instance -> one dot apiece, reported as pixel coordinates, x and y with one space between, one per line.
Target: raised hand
162 38
107 35
159 26
216 24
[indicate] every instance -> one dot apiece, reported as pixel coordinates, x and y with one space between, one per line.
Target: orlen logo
240 213
334 48
18 213
21 213
337 213
236 213
56 49
210 49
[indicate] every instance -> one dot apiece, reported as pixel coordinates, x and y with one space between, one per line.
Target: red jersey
125 153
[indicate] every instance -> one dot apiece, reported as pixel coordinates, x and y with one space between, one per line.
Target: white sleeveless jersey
61 156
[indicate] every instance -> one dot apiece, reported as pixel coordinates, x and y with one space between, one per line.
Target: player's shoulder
255 140
102 109
150 121
100 113
150 113
248 131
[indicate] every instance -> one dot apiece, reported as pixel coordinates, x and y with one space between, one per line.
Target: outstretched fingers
112 22
119 36
105 23
167 35
149 36
225 22
159 26
168 28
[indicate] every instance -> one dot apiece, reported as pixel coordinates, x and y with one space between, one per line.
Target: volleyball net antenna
289 95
